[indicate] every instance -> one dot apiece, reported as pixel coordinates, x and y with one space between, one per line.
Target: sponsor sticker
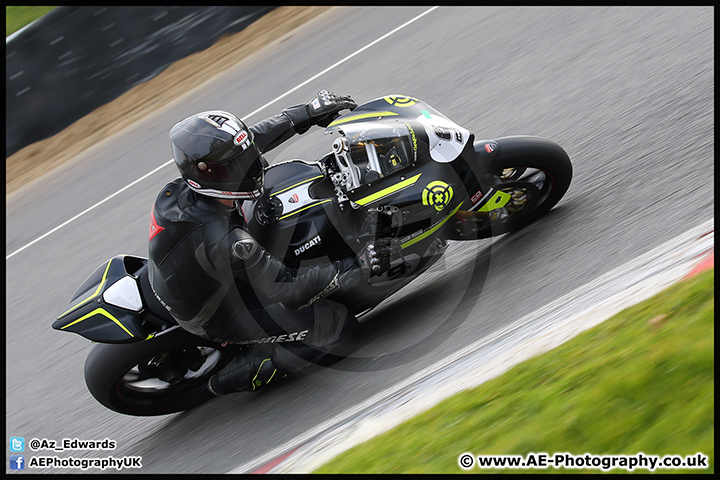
401 101
490 147
241 137
309 244
438 194
193 183
476 197
289 337
294 198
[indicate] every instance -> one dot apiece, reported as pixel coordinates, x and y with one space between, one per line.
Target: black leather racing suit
219 284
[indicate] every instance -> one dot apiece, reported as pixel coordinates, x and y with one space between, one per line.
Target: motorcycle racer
216 280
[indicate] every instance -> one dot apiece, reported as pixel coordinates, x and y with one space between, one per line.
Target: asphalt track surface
628 92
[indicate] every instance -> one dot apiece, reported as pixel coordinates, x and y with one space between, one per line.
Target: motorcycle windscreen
379 149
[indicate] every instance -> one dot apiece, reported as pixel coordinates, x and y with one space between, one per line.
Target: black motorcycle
398 170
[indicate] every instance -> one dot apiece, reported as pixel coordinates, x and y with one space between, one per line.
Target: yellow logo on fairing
438 194
498 200
401 101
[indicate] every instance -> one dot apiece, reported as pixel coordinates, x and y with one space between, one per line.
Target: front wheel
531 173
159 376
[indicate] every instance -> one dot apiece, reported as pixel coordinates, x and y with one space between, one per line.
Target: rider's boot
244 373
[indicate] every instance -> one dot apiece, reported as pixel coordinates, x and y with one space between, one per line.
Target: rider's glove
322 110
326 107
375 257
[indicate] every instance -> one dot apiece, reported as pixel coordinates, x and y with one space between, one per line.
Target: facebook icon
17 462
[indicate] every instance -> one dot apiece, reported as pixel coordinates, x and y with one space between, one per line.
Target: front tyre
159 376
532 172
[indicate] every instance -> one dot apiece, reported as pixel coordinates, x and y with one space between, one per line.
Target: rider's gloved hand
326 107
322 110
375 257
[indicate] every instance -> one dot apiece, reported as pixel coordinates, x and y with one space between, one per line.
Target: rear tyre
159 376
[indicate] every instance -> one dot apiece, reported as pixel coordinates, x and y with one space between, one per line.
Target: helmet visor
237 174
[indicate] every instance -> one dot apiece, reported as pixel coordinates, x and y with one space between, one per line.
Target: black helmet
216 155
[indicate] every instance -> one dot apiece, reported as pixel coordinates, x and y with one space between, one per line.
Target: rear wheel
532 173
163 375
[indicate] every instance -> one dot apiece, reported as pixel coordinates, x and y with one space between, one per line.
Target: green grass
632 384
18 17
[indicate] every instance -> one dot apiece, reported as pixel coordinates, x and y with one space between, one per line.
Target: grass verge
640 382
17 17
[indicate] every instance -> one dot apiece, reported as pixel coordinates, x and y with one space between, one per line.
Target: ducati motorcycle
398 170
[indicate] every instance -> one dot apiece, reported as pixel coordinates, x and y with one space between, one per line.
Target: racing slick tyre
159 376
531 173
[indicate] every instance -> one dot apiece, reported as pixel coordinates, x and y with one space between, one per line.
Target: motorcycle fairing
297 197
446 138
382 189
381 192
298 220
492 200
290 220
420 235
390 107
106 307
288 190
434 138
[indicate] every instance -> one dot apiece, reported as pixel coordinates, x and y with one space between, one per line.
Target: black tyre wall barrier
75 59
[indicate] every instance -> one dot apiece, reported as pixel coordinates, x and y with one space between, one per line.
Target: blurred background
72 60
